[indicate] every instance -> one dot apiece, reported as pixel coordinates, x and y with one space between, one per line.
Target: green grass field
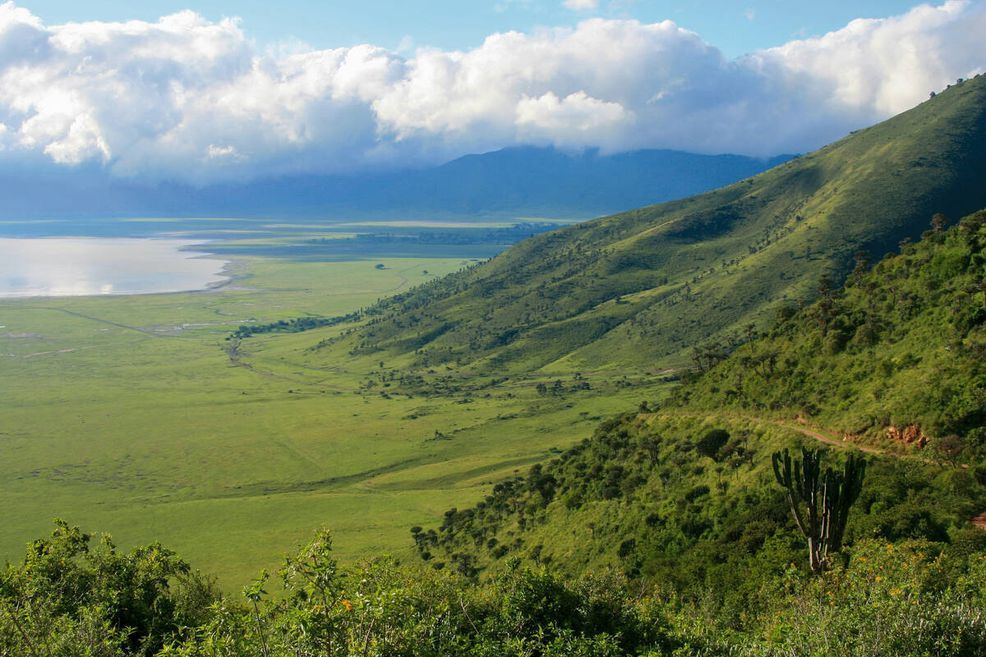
128 414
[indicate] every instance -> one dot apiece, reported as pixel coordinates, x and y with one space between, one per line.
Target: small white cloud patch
222 153
581 5
574 121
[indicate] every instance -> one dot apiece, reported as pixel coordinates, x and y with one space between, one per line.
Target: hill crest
640 289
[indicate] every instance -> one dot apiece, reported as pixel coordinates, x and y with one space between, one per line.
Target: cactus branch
819 501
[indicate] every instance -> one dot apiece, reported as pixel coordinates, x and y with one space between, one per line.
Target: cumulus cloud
189 99
576 120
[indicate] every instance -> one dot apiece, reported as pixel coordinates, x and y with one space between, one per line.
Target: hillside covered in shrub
899 353
683 496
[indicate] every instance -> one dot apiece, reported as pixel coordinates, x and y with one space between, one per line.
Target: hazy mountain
511 182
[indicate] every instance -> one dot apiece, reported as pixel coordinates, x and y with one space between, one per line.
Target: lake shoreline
59 267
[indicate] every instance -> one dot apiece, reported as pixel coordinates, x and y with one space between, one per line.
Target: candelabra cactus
819 500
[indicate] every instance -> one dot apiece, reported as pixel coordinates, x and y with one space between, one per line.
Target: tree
819 501
825 309
74 595
862 261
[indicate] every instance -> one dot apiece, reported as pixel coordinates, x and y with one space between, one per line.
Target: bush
713 441
70 598
890 601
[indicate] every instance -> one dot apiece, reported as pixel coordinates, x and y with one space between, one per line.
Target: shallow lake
93 266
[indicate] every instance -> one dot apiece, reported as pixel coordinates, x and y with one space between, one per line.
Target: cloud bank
187 99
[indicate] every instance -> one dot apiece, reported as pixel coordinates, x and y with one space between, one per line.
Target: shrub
713 441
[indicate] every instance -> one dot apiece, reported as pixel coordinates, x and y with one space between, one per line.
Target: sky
735 27
212 91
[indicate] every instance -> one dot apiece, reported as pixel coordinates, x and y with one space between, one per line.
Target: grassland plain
137 416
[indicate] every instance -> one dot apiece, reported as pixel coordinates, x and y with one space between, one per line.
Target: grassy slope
114 418
651 494
641 288
641 497
903 345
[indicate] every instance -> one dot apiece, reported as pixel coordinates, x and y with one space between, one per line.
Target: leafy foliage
890 600
70 592
379 608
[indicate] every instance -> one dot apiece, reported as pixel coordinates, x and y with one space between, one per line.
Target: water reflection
89 266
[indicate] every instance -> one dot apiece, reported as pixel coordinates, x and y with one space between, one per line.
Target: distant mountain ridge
642 288
523 181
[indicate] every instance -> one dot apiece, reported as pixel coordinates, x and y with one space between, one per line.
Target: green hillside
684 496
640 289
897 357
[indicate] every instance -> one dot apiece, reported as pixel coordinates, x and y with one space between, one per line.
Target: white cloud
581 5
887 65
214 152
576 120
190 99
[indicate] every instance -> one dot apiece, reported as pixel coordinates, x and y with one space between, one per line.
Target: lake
56 267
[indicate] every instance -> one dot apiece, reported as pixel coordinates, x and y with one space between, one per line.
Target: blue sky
734 26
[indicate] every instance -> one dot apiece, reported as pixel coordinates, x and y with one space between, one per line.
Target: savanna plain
153 423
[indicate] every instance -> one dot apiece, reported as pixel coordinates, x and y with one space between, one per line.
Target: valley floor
134 415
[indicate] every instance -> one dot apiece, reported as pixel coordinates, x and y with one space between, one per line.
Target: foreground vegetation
73 595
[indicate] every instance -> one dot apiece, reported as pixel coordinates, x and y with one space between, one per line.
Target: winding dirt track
815 434
830 439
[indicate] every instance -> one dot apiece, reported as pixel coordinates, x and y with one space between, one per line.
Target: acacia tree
819 500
